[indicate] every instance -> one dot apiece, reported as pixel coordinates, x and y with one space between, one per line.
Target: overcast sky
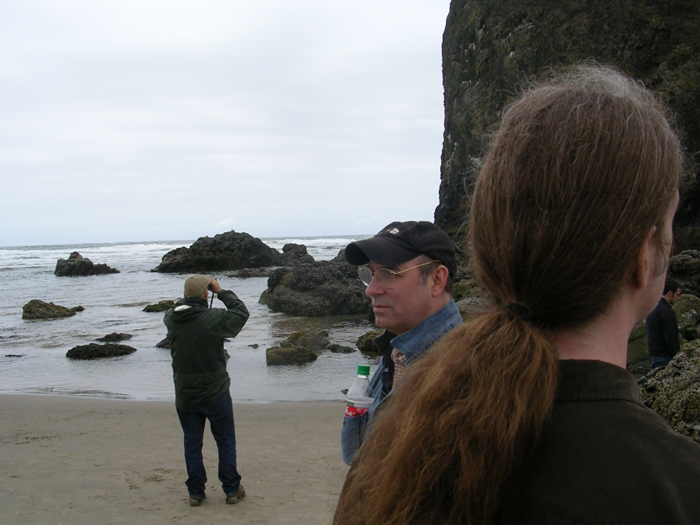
169 120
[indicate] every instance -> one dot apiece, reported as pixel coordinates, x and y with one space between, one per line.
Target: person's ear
647 260
439 280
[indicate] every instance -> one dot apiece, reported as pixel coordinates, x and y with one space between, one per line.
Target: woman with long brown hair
526 414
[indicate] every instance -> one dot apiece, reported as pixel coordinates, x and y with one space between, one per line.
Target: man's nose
374 288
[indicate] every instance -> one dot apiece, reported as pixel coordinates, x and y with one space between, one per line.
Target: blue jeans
220 415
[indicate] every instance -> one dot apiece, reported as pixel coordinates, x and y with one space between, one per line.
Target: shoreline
74 459
169 401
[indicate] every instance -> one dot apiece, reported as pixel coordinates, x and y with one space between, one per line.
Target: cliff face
492 48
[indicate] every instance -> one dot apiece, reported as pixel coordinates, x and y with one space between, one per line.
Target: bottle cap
362 370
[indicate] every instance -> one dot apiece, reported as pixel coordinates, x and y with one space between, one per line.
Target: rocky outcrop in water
316 290
36 309
114 337
294 255
366 344
295 355
301 347
97 351
161 306
78 266
230 251
492 48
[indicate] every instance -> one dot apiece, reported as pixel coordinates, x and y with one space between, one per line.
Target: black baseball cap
399 242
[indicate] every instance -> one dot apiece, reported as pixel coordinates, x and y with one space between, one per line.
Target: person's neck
603 339
196 301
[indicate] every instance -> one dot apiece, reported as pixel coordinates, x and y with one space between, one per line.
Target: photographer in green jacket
196 334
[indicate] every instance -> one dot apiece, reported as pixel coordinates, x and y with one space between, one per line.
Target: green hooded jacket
196 334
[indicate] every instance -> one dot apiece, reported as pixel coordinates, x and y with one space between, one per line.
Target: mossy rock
365 343
673 392
294 355
690 348
114 337
97 351
162 306
340 349
36 309
315 341
687 310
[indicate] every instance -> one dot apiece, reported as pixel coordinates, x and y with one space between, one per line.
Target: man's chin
380 319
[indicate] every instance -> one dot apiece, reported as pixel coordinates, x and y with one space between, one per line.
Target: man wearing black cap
408 269
196 335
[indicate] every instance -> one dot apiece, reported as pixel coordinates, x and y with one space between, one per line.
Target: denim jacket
412 344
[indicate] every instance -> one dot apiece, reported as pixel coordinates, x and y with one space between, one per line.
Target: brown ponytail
449 437
580 171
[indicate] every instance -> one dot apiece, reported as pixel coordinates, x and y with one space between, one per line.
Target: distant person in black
662 327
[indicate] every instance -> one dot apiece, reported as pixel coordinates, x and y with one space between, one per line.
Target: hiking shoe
232 499
196 502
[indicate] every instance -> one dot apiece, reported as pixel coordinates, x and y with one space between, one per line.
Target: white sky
163 120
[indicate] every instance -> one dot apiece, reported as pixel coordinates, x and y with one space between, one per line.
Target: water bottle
359 397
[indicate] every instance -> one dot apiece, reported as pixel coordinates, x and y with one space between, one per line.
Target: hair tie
520 311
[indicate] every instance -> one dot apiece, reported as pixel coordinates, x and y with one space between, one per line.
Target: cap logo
394 231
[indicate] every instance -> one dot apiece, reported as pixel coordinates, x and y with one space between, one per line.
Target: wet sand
87 460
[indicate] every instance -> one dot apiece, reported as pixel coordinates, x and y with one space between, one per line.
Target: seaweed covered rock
78 266
493 48
229 251
36 309
289 355
687 310
341 349
114 337
685 268
315 341
160 306
316 290
673 392
97 351
365 343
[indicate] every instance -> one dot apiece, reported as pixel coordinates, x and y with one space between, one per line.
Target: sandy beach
88 460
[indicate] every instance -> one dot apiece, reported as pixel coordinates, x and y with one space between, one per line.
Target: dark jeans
658 362
220 415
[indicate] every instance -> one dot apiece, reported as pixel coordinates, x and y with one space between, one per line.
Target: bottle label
352 411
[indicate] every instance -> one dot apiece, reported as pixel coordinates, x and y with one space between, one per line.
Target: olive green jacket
196 334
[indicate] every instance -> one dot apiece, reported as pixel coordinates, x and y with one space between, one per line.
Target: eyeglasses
384 276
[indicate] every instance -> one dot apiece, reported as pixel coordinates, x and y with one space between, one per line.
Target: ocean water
32 352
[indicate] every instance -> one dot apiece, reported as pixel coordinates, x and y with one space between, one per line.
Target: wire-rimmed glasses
385 276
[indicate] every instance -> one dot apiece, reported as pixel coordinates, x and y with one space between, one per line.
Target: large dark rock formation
36 309
316 290
97 351
492 48
79 266
230 251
